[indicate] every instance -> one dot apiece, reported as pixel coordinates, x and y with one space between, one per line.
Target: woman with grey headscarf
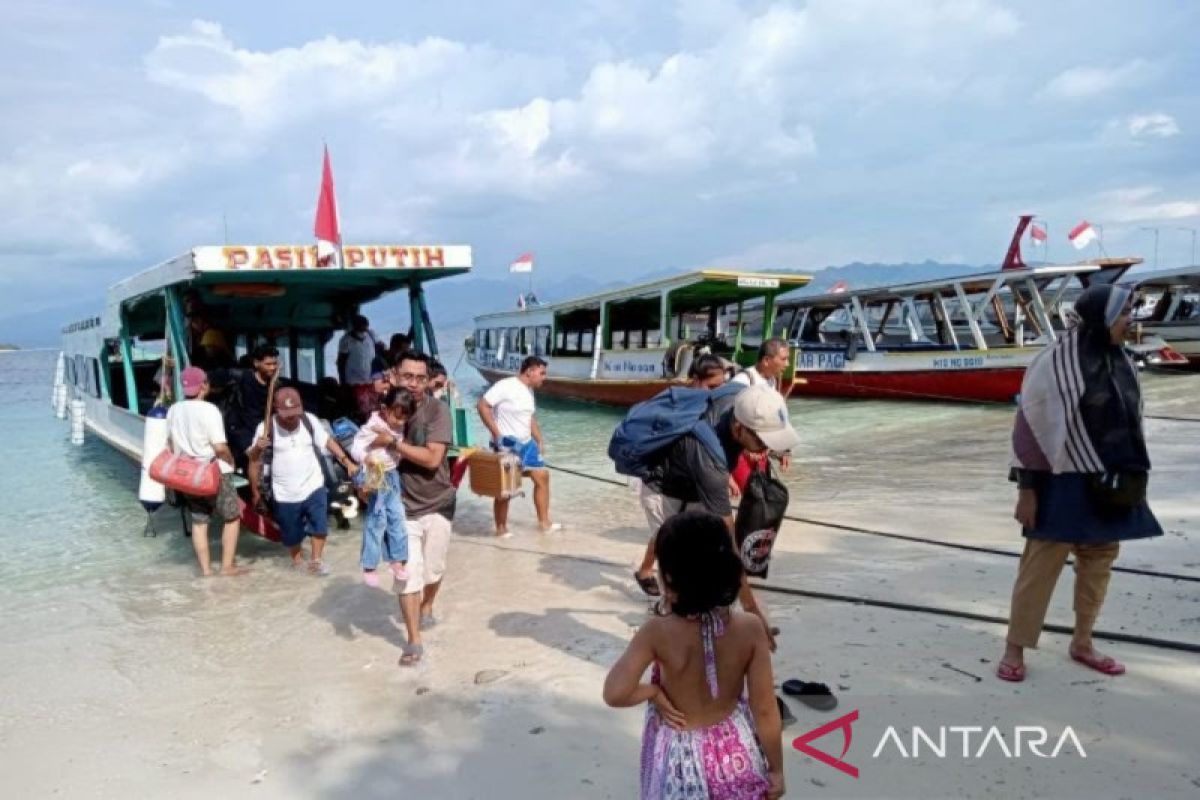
1080 461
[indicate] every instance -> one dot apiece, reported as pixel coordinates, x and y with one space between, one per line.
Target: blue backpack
660 421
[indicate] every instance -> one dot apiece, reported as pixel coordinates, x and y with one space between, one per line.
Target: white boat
624 346
1170 309
274 294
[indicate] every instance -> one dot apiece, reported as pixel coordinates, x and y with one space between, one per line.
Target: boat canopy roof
262 287
689 291
1179 277
979 282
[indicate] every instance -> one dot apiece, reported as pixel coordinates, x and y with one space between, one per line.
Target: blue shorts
531 456
308 517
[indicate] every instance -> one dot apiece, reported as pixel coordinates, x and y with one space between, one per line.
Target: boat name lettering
288 257
808 360
627 367
958 363
751 282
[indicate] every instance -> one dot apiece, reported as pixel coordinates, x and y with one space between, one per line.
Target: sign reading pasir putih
263 258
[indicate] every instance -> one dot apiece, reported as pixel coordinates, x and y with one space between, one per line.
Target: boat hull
991 376
982 385
122 430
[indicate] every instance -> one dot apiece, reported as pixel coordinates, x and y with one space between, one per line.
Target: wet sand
150 682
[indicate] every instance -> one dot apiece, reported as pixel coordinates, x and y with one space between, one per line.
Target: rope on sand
905 537
1112 636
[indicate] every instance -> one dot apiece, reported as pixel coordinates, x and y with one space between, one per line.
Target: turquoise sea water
909 467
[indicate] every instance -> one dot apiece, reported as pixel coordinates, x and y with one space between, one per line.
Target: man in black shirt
248 407
754 420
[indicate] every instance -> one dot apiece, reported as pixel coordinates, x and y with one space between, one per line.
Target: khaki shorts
659 508
428 543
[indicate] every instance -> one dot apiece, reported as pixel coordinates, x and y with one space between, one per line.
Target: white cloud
1155 126
1083 82
1143 204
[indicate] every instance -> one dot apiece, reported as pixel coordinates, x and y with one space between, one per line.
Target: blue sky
612 137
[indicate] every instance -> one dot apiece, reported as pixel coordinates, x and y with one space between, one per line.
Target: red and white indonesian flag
524 263
326 227
1037 233
1082 235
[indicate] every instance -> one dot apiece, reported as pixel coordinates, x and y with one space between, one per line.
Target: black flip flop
814 695
785 713
649 585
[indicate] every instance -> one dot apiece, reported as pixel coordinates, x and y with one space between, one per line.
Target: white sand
281 685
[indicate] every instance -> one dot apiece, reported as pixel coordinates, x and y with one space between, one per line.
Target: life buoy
151 493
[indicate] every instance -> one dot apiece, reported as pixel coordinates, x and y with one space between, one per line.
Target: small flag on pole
524 263
1037 233
1082 235
326 227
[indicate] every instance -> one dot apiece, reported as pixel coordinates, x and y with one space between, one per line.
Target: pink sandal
1108 665
1010 673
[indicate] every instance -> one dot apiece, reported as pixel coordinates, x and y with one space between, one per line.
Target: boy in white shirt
508 411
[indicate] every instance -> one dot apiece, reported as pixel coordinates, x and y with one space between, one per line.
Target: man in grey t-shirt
428 501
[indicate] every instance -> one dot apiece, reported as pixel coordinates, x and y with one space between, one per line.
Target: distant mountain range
454 302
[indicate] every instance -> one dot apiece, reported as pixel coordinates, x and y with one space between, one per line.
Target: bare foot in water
234 571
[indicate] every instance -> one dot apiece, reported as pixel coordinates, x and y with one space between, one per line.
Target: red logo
801 743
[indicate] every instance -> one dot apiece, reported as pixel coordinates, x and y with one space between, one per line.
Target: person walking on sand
768 369
429 502
508 411
1081 466
195 429
299 499
684 472
713 727
375 448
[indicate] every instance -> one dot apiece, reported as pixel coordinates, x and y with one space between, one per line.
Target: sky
613 138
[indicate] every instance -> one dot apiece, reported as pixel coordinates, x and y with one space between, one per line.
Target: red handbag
199 477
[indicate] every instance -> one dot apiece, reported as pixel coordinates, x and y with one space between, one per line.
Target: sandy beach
144 681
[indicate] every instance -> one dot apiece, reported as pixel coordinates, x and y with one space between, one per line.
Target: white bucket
77 417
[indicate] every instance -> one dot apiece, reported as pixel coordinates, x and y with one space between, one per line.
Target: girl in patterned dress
712 725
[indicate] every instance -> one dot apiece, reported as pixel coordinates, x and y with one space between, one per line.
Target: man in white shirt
772 362
357 351
509 412
195 429
773 357
299 499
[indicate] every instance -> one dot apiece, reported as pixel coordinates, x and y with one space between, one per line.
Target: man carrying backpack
682 445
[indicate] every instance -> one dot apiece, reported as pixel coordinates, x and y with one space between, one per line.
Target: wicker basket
495 474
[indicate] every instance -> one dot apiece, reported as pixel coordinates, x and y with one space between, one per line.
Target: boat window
541 340
576 331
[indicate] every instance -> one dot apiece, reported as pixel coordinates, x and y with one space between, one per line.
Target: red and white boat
966 338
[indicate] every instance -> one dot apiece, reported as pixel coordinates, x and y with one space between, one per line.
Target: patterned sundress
723 761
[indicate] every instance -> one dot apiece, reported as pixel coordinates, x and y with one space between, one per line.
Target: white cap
764 411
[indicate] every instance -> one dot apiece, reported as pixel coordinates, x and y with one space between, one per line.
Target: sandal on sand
649 584
814 695
785 714
1007 672
1108 665
412 654
428 621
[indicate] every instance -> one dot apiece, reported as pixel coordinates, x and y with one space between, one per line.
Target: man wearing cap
299 499
195 429
754 420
